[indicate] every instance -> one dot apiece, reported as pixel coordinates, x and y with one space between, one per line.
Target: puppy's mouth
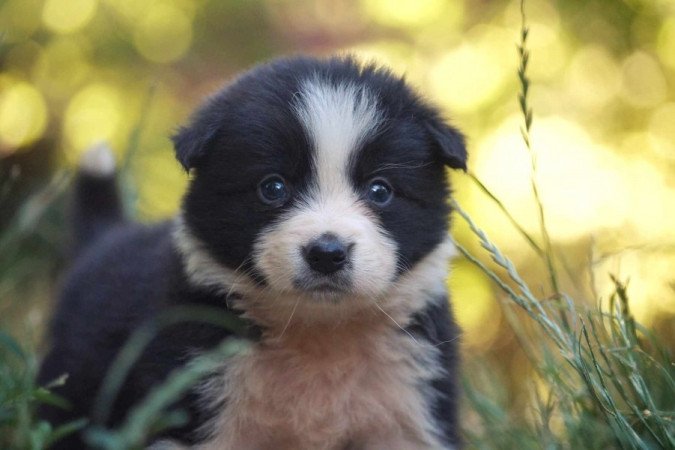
333 286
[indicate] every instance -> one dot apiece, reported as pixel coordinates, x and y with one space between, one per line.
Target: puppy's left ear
192 141
450 144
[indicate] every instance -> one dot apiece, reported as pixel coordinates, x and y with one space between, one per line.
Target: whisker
289 318
238 276
403 165
438 344
396 323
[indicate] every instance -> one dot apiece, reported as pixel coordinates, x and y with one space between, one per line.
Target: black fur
128 274
437 325
121 282
96 207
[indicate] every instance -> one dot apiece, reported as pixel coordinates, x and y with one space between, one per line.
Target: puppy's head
321 180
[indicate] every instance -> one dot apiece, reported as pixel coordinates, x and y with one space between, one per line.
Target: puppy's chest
327 391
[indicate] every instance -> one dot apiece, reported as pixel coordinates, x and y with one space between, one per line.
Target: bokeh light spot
474 304
163 34
578 179
161 182
643 82
666 42
466 78
130 10
546 40
23 115
537 12
93 115
61 67
67 16
662 131
404 12
582 183
593 77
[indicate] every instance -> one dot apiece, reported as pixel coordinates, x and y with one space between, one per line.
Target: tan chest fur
348 387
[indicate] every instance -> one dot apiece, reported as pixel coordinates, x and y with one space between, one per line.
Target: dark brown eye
272 190
379 192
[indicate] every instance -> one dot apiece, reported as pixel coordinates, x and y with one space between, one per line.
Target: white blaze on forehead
337 117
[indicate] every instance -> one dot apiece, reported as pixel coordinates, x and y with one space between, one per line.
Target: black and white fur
361 356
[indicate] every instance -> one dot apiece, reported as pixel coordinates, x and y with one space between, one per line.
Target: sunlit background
76 72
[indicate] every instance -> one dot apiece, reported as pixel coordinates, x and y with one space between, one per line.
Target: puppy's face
321 179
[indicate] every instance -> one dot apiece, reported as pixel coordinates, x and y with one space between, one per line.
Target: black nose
327 254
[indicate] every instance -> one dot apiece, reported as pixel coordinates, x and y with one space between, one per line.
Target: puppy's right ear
192 141
450 144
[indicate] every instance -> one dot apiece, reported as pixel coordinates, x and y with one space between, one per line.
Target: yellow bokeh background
77 72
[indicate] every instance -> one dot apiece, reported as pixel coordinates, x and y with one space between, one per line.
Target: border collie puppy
317 212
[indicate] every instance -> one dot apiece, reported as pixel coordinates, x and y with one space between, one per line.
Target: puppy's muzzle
327 254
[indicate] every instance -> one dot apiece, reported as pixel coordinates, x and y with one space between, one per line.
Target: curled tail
96 203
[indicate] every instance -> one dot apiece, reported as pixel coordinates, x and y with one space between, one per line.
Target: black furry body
123 281
89 329
127 274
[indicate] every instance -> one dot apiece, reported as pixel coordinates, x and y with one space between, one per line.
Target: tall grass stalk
526 110
608 382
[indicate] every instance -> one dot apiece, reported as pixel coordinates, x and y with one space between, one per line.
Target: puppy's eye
272 190
379 192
